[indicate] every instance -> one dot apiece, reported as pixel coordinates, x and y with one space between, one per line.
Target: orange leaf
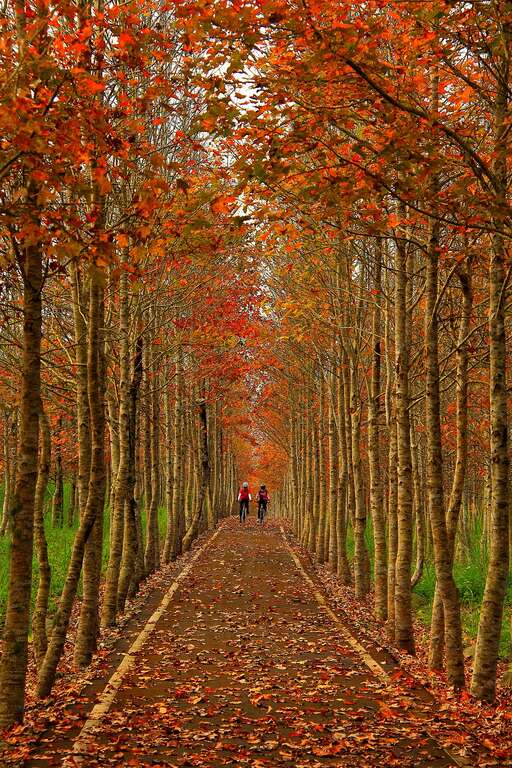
222 204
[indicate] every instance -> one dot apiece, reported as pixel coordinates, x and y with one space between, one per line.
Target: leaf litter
246 669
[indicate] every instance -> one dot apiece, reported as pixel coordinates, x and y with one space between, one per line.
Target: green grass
60 542
470 580
470 571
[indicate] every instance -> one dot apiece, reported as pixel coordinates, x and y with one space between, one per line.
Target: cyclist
244 497
263 501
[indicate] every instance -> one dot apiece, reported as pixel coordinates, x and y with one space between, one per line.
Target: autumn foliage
265 241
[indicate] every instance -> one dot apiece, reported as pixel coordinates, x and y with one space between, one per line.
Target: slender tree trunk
13 663
404 637
80 310
113 427
483 684
333 474
40 640
204 490
361 580
418 509
320 476
7 475
170 448
435 493
178 501
351 492
315 480
392 479
89 623
131 544
72 507
436 650
58 496
342 511
152 554
120 495
146 431
374 454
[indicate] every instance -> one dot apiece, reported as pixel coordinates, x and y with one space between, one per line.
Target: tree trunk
342 501
392 479
58 496
43 588
436 650
204 489
178 480
13 663
404 637
334 471
152 554
120 482
320 476
374 419
418 509
80 311
435 493
130 541
483 684
170 448
7 474
72 506
361 574
89 623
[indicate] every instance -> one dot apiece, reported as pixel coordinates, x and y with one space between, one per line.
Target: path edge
107 696
370 662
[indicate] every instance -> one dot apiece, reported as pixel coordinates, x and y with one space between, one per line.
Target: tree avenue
262 240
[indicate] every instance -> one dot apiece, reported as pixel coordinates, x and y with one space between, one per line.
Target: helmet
263 488
245 485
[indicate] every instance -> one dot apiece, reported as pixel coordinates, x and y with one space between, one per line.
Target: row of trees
166 169
380 135
128 305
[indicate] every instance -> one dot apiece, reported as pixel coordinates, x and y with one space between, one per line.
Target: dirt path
245 668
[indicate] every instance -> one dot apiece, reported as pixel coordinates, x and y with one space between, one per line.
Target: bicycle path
245 668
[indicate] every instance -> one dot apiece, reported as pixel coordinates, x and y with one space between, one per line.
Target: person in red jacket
263 501
244 497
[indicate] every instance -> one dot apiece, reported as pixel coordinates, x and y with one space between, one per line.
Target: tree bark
374 453
435 492
120 482
483 684
204 489
436 649
128 583
58 496
40 639
361 573
152 553
404 637
7 474
13 663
